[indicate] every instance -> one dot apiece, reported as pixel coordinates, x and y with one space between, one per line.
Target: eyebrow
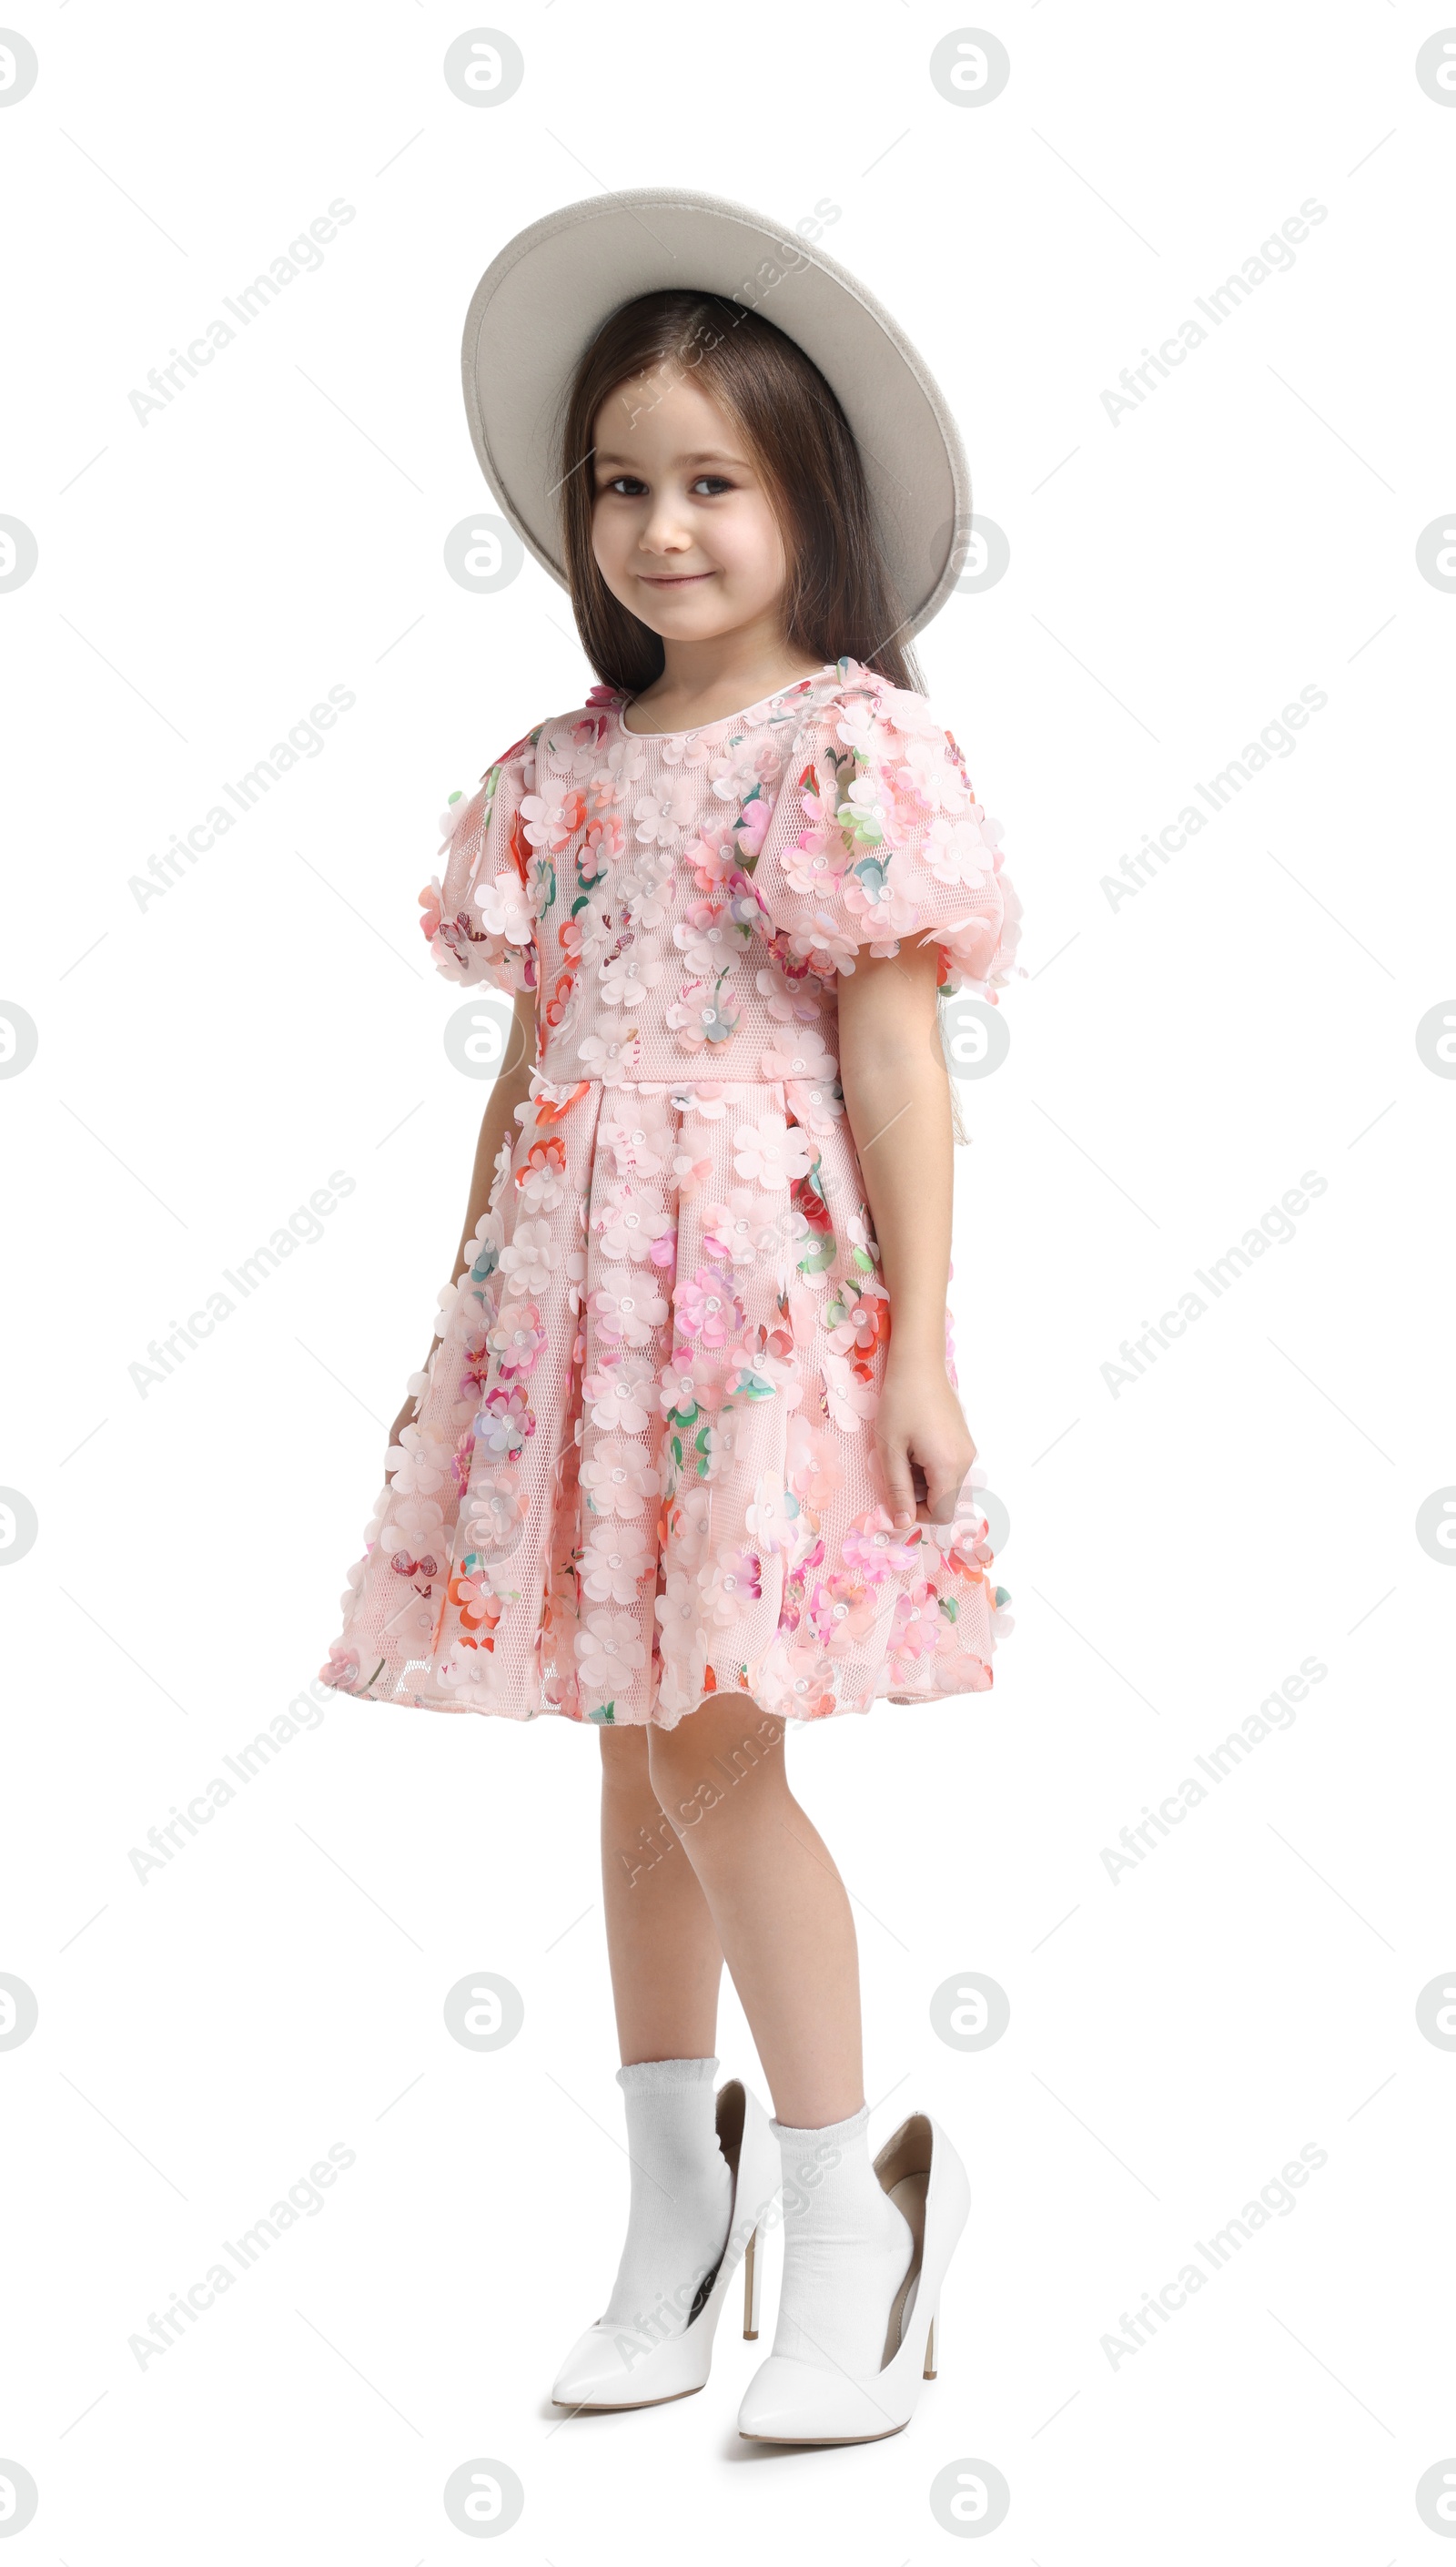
713 454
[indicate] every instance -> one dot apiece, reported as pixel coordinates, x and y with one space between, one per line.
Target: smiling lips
673 579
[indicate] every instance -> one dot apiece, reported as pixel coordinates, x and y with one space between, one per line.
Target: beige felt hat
541 302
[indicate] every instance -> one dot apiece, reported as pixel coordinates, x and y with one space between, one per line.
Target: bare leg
706 1853
777 1902
661 1942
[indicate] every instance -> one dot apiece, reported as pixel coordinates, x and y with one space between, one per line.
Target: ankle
658 2076
681 2191
846 2248
846 2126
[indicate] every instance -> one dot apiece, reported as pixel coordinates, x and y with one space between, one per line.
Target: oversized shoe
788 2400
613 2367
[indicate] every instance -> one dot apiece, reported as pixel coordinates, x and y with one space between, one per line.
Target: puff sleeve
477 913
877 835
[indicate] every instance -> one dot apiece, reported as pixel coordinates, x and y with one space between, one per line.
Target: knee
697 1767
678 1780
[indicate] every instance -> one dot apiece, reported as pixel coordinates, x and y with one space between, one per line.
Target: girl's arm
512 1088
897 1098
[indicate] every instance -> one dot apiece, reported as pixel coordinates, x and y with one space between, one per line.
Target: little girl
686 1463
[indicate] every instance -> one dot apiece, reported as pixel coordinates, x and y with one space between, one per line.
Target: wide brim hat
541 301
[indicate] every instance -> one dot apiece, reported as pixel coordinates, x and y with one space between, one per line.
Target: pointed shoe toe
796 2401
612 2369
600 2371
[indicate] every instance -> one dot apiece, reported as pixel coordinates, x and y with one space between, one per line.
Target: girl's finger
898 1485
943 1486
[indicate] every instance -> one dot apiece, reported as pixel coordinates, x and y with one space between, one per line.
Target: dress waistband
667 1076
711 1090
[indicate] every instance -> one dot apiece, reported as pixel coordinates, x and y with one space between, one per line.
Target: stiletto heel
932 2347
614 2367
752 2288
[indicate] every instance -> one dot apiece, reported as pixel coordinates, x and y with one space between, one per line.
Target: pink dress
641 1471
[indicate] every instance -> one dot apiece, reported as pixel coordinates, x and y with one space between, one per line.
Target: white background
1177 1063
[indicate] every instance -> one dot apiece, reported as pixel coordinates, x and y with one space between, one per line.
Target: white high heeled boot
614 2365
790 2399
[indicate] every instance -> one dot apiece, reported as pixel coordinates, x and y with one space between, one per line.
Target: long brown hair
838 599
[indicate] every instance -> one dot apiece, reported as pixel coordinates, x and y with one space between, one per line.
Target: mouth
684 579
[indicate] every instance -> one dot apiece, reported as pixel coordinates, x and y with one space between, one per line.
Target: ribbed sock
847 2250
681 2195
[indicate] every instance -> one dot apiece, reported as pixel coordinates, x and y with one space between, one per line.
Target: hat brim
540 304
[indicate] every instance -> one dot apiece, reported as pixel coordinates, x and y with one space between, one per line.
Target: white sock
682 2196
847 2250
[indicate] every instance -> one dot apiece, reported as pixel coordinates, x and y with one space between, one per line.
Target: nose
664 531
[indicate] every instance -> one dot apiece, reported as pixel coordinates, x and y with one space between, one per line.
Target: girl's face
682 527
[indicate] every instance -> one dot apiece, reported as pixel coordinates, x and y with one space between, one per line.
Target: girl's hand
924 1444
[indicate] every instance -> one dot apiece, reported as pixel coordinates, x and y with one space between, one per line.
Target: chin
692 621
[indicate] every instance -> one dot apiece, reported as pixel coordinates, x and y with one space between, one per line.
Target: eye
709 485
623 485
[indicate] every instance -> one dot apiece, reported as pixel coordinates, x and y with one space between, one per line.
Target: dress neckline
721 721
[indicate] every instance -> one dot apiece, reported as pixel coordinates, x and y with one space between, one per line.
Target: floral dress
642 1468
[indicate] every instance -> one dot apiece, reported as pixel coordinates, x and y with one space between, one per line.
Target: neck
703 681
